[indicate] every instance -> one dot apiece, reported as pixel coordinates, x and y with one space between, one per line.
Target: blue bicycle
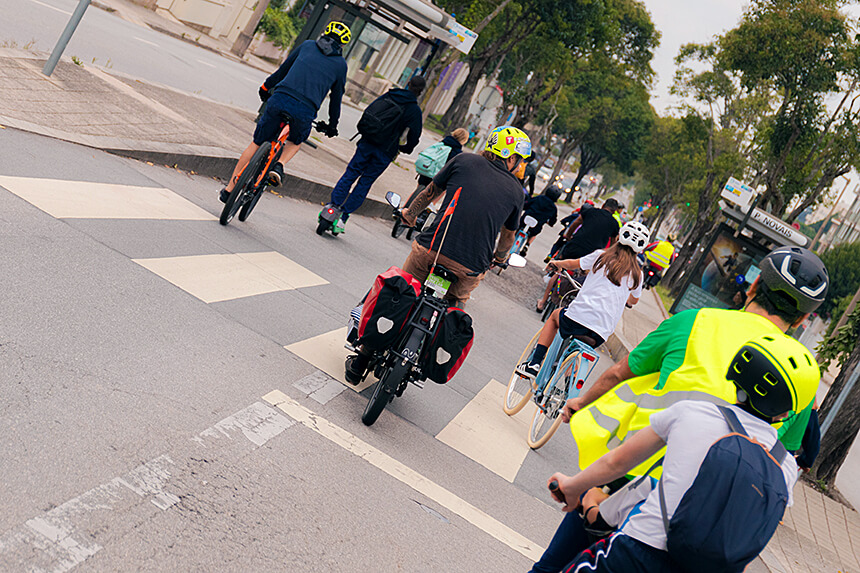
521 239
567 366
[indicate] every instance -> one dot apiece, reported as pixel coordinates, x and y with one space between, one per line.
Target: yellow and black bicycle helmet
338 30
777 374
508 140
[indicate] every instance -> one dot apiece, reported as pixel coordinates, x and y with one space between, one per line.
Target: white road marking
50 534
146 41
258 422
51 7
484 433
406 475
66 199
327 353
206 63
320 387
217 278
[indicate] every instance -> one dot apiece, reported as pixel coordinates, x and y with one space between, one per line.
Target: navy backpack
726 518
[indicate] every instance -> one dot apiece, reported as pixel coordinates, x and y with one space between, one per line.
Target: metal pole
746 219
65 37
832 210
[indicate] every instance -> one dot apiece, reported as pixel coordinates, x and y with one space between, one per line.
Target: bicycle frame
558 352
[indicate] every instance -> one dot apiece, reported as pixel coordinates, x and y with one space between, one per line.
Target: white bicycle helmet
634 235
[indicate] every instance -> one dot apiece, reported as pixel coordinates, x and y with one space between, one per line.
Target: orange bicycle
253 181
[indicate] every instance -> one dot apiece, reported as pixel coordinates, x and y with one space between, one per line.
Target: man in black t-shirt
592 230
488 207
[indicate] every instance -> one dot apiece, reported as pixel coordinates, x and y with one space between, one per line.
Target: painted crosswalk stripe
217 278
328 354
484 433
405 474
65 199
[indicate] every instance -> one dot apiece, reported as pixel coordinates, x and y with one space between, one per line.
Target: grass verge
667 299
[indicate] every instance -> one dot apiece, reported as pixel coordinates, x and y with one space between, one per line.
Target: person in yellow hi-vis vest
684 357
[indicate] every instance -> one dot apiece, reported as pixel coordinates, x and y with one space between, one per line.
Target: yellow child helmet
777 373
339 30
507 140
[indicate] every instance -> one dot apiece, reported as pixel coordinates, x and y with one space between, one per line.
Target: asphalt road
148 425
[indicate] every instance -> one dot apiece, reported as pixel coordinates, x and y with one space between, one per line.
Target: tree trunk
661 216
839 438
685 255
588 160
459 109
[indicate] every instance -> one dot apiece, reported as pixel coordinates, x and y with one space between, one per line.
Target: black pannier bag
449 347
387 308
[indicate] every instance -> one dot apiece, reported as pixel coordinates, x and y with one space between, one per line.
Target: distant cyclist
544 211
297 89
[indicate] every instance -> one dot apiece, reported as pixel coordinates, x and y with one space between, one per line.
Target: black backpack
379 122
726 518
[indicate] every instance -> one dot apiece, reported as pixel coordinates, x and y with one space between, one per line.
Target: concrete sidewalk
123 115
817 533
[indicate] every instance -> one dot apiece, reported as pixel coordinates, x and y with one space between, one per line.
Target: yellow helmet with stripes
338 30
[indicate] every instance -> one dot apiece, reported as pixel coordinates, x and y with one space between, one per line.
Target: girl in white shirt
615 280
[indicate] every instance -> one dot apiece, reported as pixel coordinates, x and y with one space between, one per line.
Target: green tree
843 265
804 50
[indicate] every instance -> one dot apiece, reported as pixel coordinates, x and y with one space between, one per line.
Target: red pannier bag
449 347
387 308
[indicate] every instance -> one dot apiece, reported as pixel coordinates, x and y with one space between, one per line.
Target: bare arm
611 466
616 374
506 241
631 300
427 196
566 264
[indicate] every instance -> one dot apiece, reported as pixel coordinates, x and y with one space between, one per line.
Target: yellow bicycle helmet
507 140
339 30
777 374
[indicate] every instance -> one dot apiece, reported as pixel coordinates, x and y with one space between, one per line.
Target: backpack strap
778 451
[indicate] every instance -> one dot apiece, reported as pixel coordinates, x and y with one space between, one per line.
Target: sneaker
223 195
339 227
355 370
524 251
276 175
528 369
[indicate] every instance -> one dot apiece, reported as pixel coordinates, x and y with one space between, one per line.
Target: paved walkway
89 106
817 533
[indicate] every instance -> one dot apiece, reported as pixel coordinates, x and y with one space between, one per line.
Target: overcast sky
685 21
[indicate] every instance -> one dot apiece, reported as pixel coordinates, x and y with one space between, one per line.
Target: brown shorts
418 265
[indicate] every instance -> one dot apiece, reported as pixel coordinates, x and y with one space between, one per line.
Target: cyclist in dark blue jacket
298 88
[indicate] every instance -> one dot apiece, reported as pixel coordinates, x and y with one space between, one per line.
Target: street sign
780 227
738 193
462 38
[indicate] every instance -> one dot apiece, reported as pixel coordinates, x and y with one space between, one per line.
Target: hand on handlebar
571 407
326 129
264 93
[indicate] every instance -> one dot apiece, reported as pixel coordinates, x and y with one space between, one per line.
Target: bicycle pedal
350 347
419 383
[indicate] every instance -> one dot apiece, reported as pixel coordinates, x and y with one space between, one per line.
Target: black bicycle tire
246 209
548 308
397 229
382 394
246 178
409 233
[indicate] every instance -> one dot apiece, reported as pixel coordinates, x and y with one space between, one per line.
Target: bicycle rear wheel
245 183
547 417
520 389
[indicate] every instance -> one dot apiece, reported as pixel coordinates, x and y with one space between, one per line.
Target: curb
618 346
221 167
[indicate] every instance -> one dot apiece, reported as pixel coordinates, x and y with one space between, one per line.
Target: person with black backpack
726 479
381 127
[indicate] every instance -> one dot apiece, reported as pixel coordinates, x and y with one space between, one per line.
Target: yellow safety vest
661 254
715 337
